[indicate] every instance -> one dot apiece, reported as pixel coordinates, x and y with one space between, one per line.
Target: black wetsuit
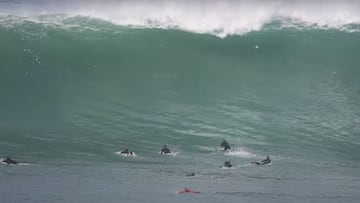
190 174
227 164
8 160
126 151
225 145
165 150
265 161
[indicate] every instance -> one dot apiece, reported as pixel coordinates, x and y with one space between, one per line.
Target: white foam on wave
174 154
205 148
23 164
220 18
227 168
239 152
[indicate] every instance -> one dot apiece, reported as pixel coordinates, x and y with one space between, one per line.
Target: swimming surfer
127 151
267 160
225 145
8 160
227 164
188 190
190 174
165 150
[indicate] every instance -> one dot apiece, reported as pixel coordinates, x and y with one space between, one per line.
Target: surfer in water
225 145
165 150
267 160
188 190
8 160
190 174
127 151
227 164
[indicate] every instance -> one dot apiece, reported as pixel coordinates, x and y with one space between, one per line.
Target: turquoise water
76 90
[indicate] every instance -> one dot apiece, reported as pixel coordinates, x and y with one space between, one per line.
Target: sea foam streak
220 18
240 152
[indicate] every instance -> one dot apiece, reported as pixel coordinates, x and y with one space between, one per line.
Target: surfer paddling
9 161
225 145
165 150
267 160
227 164
127 152
188 190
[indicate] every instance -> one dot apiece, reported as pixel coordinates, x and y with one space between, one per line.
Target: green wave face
82 80
95 88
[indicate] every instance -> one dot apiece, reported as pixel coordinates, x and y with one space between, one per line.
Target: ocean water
82 80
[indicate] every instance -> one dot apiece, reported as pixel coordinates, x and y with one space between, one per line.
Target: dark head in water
126 151
228 164
190 174
165 150
225 145
8 160
266 160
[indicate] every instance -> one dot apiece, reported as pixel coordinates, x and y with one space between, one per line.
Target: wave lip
221 18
